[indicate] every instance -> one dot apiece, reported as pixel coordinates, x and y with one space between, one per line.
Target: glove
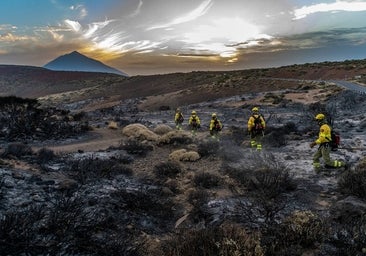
312 144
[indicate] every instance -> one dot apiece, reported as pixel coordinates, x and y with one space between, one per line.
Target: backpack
180 118
194 122
336 140
217 126
258 123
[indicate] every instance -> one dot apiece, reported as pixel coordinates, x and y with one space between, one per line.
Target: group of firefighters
256 126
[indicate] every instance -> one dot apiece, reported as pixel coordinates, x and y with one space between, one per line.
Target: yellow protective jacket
251 121
215 124
324 134
194 117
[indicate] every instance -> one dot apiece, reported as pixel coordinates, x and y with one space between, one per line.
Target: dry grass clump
136 147
162 129
113 125
184 155
226 240
176 137
139 132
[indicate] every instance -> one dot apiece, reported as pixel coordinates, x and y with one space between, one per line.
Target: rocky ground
110 192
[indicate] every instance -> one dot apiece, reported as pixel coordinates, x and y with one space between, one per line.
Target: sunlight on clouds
232 30
92 28
56 36
196 13
332 7
9 37
74 25
224 37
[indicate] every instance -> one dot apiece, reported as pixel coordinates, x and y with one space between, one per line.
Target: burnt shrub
208 148
206 180
198 199
149 206
92 169
136 147
17 150
169 169
300 231
353 182
225 240
349 238
75 229
266 181
24 120
18 229
45 155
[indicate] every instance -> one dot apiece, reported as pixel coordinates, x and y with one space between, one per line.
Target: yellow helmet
213 114
193 112
255 109
319 117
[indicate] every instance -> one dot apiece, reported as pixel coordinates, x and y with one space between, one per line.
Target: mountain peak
76 61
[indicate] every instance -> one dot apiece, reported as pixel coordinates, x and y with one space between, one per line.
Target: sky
143 37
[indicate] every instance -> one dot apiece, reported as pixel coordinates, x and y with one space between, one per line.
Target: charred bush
199 199
225 240
206 180
24 119
45 155
17 232
92 169
208 148
350 238
299 232
266 181
168 169
136 147
148 205
17 150
353 182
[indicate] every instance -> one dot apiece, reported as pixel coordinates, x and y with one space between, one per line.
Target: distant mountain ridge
76 61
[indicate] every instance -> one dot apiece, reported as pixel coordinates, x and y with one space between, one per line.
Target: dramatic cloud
356 6
143 36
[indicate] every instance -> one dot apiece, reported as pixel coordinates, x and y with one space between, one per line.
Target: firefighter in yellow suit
178 119
256 126
324 147
215 127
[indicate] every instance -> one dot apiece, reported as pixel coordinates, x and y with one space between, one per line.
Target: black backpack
217 125
194 122
180 118
258 123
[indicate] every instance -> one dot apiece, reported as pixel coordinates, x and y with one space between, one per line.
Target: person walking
215 127
324 139
178 119
256 126
194 122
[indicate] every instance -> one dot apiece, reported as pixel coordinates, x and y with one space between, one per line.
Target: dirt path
99 139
